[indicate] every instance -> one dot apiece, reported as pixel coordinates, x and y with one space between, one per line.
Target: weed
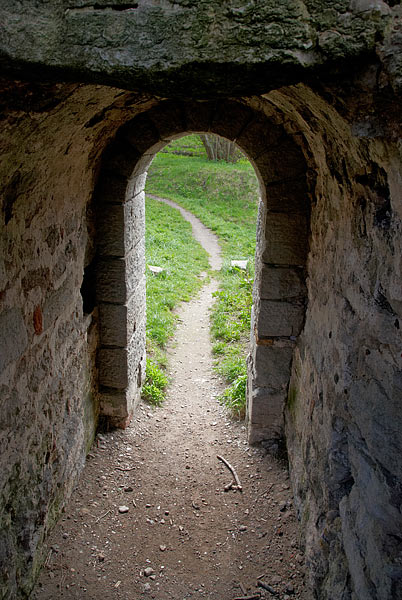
234 396
153 390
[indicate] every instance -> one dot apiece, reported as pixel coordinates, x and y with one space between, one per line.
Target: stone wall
49 402
343 417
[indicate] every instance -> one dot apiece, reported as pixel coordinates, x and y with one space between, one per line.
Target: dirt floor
153 517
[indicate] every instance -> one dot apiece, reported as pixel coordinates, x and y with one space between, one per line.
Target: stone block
271 366
290 196
141 133
13 336
286 239
117 278
118 322
120 157
111 188
118 404
121 227
118 366
281 283
253 143
168 119
136 184
198 116
113 367
279 319
266 411
142 165
282 162
57 303
230 119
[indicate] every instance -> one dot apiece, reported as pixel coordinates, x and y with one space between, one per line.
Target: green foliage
153 390
232 311
189 145
224 197
234 396
232 363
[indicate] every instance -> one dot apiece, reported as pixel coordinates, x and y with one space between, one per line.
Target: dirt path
151 517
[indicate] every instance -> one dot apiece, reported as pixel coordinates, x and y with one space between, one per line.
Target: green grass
224 197
190 145
169 244
153 390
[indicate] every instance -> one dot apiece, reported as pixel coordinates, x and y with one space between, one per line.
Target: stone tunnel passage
342 204
152 519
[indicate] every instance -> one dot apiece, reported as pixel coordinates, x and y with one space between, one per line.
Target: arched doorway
282 243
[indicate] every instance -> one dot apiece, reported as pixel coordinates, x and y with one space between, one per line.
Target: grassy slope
224 197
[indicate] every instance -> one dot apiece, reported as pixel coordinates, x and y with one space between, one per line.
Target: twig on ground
253 597
123 469
268 490
232 470
243 589
267 587
101 517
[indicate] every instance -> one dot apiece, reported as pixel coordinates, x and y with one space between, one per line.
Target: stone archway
282 242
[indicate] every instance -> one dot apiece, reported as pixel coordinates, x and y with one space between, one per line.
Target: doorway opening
211 178
282 243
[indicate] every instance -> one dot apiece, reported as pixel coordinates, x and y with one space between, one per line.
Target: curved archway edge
282 245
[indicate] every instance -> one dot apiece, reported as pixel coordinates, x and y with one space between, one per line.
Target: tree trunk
219 148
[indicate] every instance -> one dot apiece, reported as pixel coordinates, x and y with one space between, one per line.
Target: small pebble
123 509
148 571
